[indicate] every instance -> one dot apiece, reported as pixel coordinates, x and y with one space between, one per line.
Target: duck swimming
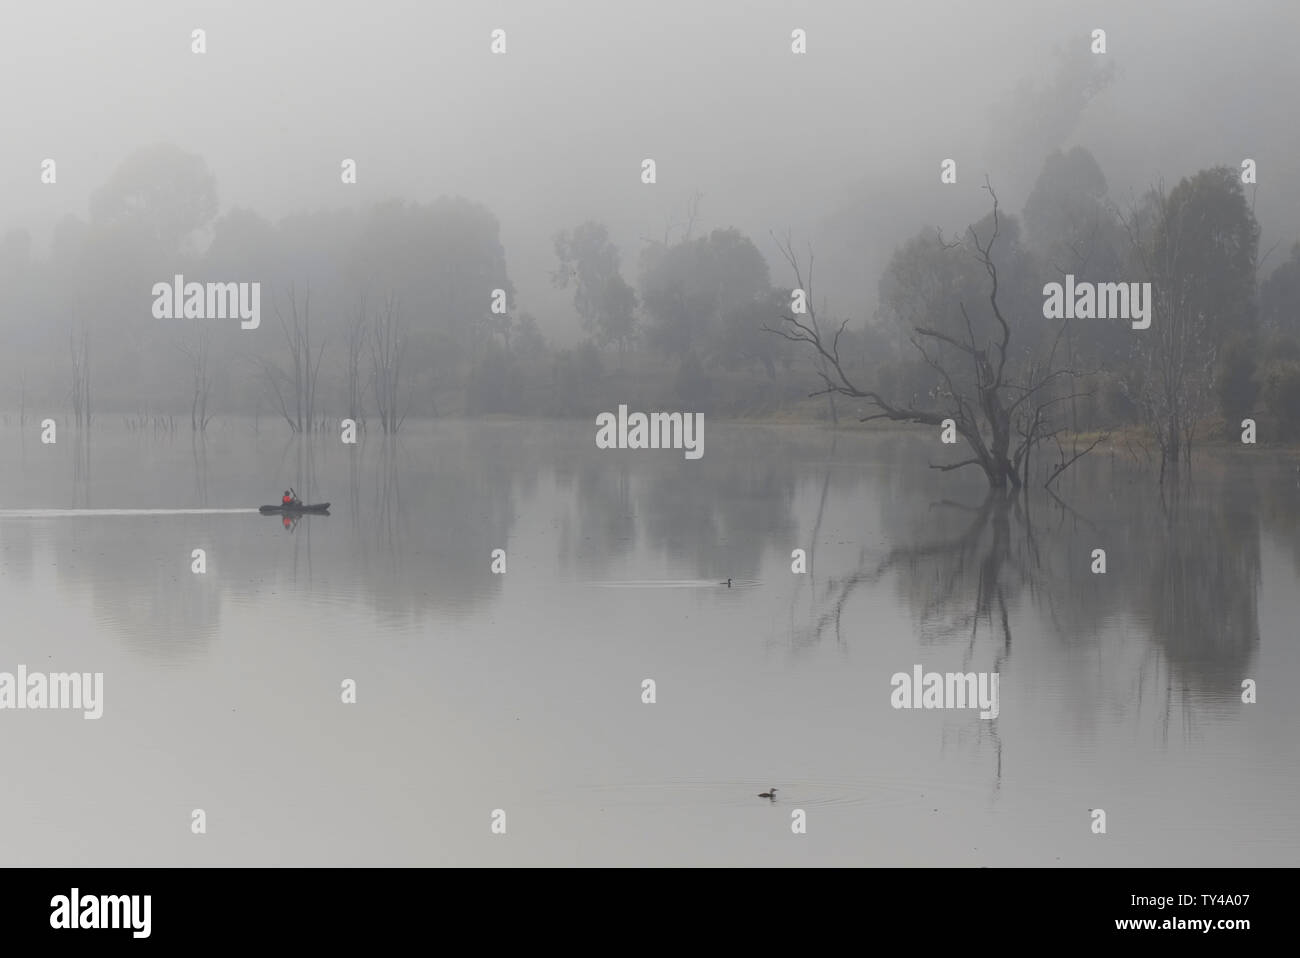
771 795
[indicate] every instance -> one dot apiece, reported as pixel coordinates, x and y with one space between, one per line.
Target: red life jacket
286 500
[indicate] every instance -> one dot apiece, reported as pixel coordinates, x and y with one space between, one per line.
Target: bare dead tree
199 355
79 343
299 381
1002 420
1081 256
1174 372
386 345
692 213
76 377
786 245
277 382
687 227
357 333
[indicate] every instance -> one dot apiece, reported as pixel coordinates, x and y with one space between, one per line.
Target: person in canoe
292 505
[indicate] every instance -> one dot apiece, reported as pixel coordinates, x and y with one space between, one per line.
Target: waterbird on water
771 795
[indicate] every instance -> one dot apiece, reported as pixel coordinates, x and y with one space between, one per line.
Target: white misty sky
554 131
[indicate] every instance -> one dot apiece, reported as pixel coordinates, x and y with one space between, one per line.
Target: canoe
315 507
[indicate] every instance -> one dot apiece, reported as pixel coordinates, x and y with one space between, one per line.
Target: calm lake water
523 691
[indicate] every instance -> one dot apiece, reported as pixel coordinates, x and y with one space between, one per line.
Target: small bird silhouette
771 795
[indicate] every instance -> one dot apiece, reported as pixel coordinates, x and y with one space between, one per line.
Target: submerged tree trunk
1000 419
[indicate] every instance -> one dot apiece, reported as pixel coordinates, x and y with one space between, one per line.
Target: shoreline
1125 439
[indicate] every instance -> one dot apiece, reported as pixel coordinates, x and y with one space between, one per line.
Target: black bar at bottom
764 908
